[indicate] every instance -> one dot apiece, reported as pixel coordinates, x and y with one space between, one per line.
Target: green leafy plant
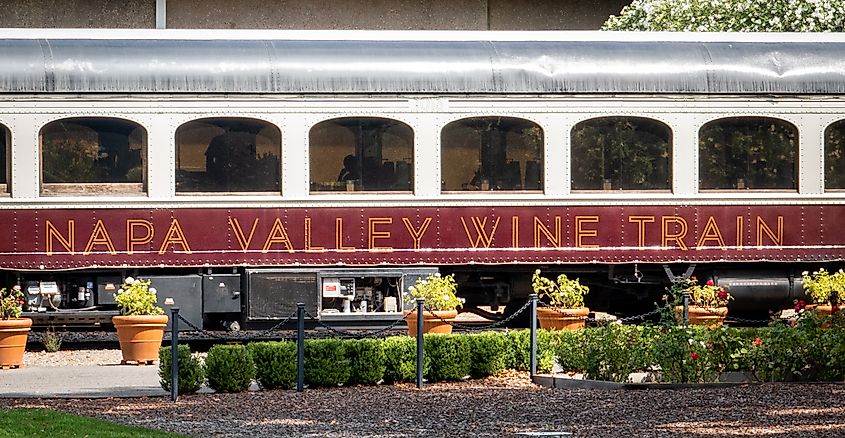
519 346
438 292
275 364
489 354
136 297
51 340
191 374
824 287
450 357
11 302
401 359
326 363
564 293
706 295
229 368
367 361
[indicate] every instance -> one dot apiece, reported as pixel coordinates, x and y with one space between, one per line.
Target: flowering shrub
707 295
730 16
563 293
822 287
136 297
11 302
438 292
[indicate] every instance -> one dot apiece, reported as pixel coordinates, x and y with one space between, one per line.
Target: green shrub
275 364
520 348
613 351
191 374
229 368
325 362
569 350
489 354
366 361
450 357
401 359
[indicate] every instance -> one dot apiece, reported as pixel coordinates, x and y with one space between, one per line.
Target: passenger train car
247 171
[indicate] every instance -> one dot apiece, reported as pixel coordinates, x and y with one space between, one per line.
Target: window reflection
4 152
228 155
361 154
748 153
92 150
621 153
834 156
492 153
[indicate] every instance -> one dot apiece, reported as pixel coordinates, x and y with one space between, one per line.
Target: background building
304 14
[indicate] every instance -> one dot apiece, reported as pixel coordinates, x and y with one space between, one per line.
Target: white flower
805 273
153 290
119 291
129 280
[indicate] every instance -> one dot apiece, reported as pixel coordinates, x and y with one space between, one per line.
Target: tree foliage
731 16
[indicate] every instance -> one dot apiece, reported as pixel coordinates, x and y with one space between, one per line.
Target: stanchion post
532 359
686 308
174 353
420 349
300 346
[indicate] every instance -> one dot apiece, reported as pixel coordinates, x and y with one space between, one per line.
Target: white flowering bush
438 292
136 297
730 16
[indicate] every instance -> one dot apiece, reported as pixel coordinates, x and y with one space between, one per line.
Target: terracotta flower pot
13 334
432 321
559 318
711 317
140 337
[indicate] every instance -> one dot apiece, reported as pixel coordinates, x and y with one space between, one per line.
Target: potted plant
708 303
440 300
825 290
140 325
13 329
565 297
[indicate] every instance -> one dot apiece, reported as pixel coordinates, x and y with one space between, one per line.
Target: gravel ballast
494 407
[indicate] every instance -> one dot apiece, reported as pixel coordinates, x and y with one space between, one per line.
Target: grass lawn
16 423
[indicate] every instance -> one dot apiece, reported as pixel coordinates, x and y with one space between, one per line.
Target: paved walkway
86 381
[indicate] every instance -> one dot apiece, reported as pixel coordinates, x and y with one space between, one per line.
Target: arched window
739 153
834 156
93 155
621 153
228 154
5 147
492 153
362 154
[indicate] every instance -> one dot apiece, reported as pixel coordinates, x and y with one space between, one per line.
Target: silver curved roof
45 65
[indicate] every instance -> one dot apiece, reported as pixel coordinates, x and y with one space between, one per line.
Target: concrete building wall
321 14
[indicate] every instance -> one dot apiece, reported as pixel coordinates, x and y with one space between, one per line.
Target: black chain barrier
258 335
497 324
377 333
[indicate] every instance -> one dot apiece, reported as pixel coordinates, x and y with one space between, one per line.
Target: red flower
800 305
757 342
694 278
834 308
693 355
722 294
710 282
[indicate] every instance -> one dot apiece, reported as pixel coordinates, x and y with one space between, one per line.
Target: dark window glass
4 164
362 154
748 153
93 151
228 155
834 156
492 153
621 153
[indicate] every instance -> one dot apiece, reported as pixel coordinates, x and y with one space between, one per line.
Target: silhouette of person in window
350 169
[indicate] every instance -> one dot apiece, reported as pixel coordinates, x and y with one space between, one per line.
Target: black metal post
686 309
174 353
420 349
300 346
532 359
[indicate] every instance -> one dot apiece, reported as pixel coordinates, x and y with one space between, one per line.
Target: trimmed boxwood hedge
229 368
489 354
400 355
191 373
450 356
326 363
275 364
366 361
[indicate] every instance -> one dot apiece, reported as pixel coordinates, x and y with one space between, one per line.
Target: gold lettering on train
541 229
763 228
243 240
580 232
711 232
132 239
338 236
481 236
278 235
53 233
373 234
99 236
677 237
175 236
416 233
739 226
514 231
308 245
641 221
